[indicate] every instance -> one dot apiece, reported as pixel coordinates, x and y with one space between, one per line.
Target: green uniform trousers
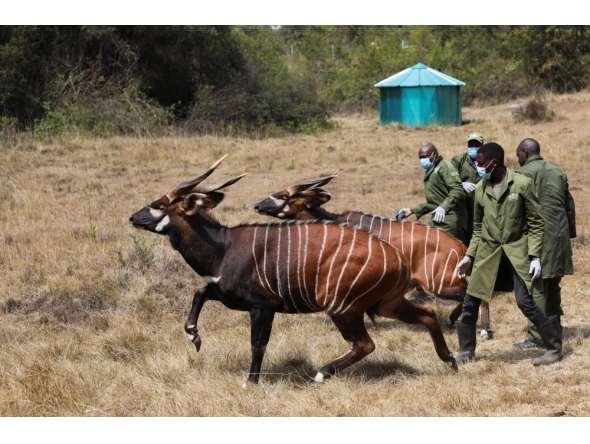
550 303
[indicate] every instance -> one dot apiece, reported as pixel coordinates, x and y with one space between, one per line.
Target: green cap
475 136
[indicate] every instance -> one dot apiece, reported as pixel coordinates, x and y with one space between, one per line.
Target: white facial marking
286 208
281 215
211 279
163 223
156 213
191 326
319 377
277 202
191 337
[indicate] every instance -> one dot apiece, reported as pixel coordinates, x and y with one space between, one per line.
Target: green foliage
554 57
112 80
535 110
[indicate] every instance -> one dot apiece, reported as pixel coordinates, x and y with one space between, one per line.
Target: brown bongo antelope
286 267
433 254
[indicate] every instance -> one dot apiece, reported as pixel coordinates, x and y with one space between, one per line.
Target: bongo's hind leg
418 314
486 331
360 343
455 314
455 293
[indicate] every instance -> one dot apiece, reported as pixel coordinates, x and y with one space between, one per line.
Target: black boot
467 340
550 331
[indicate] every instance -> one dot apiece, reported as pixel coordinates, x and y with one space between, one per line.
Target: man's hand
535 269
463 267
439 214
402 214
468 186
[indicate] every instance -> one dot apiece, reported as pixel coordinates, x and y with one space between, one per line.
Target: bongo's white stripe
327 291
442 279
343 270
264 261
377 283
357 276
317 273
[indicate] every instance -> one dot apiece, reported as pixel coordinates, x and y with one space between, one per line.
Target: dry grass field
92 311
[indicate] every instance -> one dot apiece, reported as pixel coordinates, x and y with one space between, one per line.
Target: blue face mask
472 152
426 163
482 172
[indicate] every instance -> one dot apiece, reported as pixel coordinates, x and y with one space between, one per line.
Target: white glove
463 267
439 214
468 186
535 269
402 214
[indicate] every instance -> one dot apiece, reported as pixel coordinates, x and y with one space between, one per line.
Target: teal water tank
420 96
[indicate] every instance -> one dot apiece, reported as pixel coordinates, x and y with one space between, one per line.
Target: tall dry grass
92 311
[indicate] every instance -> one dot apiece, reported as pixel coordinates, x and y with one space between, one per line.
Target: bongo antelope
286 267
433 254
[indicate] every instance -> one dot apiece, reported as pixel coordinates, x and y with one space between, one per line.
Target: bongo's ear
195 201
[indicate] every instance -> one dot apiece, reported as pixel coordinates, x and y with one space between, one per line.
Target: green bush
535 110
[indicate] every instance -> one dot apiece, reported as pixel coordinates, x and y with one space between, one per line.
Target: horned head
295 202
186 199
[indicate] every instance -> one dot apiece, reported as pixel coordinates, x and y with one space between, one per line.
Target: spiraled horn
309 184
183 187
207 188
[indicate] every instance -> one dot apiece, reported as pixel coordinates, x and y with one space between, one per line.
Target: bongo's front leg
486 331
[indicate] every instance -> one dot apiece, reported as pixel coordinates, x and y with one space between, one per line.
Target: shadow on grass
301 372
516 355
388 324
572 332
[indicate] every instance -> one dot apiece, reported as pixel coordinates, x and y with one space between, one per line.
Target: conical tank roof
419 75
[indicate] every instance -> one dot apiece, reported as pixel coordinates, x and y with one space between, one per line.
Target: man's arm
570 209
534 220
423 208
478 215
453 183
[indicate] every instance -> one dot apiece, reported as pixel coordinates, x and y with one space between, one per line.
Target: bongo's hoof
486 334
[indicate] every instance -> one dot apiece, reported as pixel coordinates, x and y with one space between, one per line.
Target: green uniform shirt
559 213
510 225
442 188
467 170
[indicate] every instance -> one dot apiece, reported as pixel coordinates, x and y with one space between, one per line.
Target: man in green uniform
507 233
465 165
559 214
444 194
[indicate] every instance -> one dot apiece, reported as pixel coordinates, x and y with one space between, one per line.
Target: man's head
428 155
474 141
426 150
490 156
527 148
